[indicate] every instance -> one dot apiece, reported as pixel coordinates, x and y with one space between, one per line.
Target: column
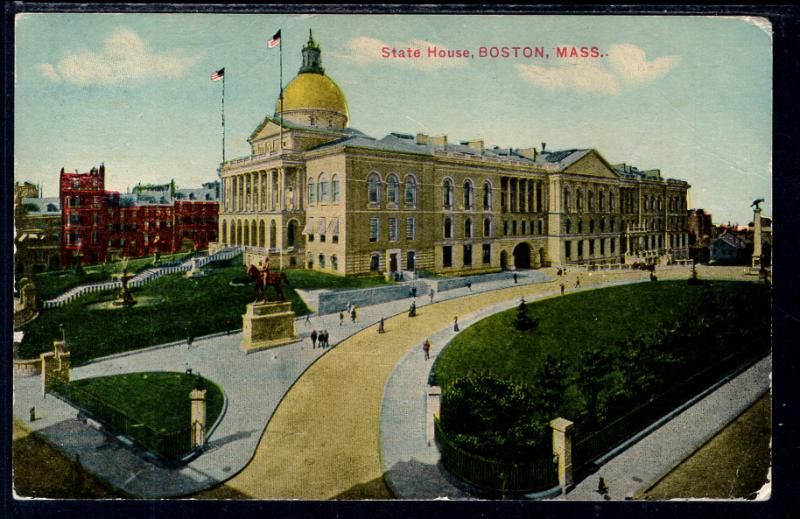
198 417
283 188
562 449
271 189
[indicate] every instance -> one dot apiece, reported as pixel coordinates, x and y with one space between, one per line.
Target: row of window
321 194
375 224
322 263
525 227
591 201
611 226
375 190
466 259
580 249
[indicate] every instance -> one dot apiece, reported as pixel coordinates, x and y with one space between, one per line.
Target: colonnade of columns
522 195
277 189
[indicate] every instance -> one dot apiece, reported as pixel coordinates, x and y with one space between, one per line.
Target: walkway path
323 441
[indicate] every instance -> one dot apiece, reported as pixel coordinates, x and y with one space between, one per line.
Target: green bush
493 417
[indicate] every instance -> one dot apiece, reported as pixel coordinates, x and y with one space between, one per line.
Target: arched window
335 189
468 194
312 193
487 196
322 261
601 201
334 262
411 191
591 226
261 232
567 200
487 227
448 228
447 191
468 228
602 225
579 201
590 200
392 190
224 232
610 201
323 189
580 226
569 226
374 185
273 231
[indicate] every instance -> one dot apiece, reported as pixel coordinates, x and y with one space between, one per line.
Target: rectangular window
375 262
514 228
411 228
322 238
392 229
505 227
487 253
467 255
613 245
373 229
602 246
568 249
580 248
591 247
447 256
524 227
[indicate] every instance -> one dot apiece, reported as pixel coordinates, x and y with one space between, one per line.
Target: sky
691 96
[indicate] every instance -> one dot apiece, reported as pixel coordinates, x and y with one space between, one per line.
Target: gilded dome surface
311 91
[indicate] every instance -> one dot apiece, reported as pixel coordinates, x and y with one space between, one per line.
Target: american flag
276 39
216 76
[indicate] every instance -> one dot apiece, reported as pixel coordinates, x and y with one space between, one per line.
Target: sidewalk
254 385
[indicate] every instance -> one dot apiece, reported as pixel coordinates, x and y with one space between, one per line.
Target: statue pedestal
267 325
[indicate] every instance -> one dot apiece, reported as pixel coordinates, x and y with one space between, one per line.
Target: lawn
733 464
311 279
180 306
42 471
153 403
597 354
52 284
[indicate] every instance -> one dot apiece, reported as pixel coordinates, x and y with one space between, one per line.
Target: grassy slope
51 284
310 279
201 306
157 399
569 325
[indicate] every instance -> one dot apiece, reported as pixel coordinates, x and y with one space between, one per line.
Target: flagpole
223 117
280 65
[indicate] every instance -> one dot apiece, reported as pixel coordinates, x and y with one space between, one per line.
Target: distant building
38 230
729 249
700 234
100 225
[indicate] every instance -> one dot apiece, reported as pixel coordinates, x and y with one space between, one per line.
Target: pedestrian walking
349 307
426 348
341 318
189 340
33 414
380 326
515 278
313 338
602 487
469 286
308 318
323 340
562 289
353 314
455 324
578 282
431 295
412 311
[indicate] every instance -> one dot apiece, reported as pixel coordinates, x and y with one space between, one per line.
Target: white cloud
49 72
124 57
625 67
364 50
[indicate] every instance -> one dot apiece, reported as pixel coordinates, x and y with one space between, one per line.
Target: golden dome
310 91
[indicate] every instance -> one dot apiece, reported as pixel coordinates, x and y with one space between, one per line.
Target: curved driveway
323 439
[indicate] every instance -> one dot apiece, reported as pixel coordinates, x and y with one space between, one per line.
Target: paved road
323 441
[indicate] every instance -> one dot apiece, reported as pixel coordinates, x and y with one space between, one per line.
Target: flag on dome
276 39
216 76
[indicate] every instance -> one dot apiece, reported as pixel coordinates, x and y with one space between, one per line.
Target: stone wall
332 302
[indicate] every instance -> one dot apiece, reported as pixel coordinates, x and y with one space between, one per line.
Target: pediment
592 164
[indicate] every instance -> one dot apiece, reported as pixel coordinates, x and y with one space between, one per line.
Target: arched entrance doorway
503 260
522 256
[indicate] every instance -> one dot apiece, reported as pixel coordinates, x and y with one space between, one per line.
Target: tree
592 378
552 380
524 321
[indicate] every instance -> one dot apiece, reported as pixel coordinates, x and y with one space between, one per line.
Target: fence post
562 449
198 417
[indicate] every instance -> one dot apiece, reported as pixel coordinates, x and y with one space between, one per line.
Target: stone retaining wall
336 301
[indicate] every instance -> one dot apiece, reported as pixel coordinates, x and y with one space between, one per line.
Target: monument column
757 246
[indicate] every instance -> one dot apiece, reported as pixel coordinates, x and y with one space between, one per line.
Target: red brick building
99 225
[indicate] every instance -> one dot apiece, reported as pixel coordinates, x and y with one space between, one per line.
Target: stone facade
318 194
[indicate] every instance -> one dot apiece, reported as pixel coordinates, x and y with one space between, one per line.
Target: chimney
475 144
528 153
439 140
422 138
544 144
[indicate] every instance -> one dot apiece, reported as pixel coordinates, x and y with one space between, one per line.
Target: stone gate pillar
562 449
198 417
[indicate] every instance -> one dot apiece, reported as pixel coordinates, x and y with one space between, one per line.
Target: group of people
320 339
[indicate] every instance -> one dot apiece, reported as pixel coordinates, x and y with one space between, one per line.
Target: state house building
317 194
